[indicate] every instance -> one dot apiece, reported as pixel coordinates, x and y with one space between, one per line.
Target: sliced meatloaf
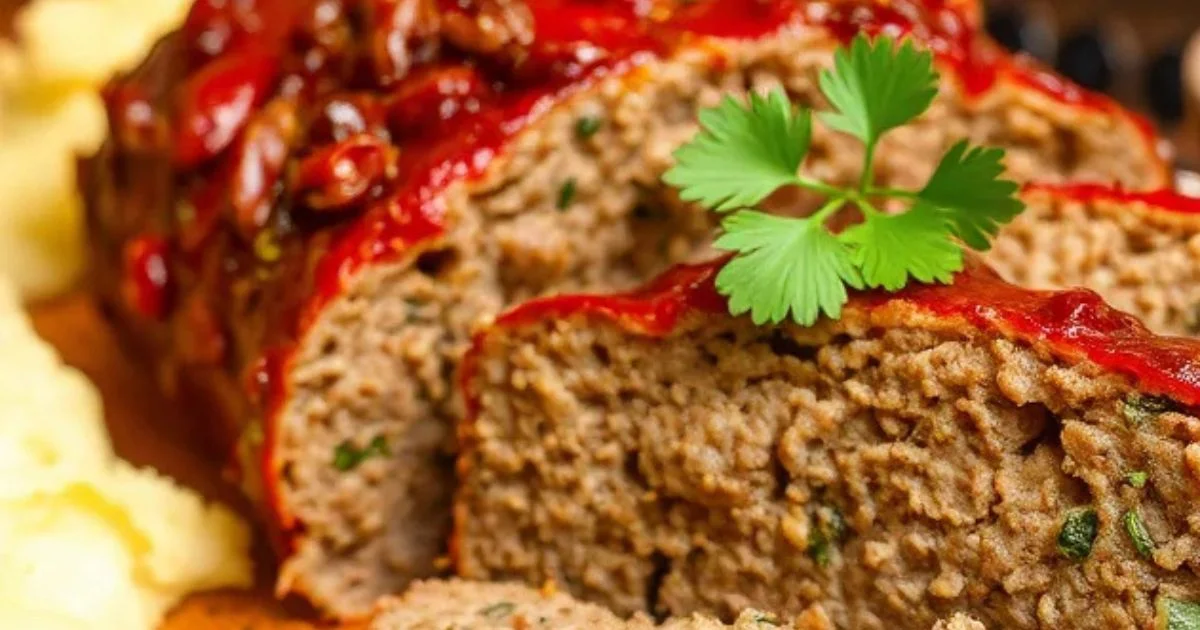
306 205
1032 458
459 605
439 604
1140 251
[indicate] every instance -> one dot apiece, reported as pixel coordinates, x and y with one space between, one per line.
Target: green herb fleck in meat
1139 409
763 619
1136 528
818 547
587 127
1078 532
1174 614
566 194
347 457
266 247
1137 478
498 611
829 528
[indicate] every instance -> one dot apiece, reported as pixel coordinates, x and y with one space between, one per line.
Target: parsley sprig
782 265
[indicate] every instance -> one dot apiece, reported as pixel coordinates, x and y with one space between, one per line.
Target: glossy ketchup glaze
307 139
1073 325
1164 199
145 276
620 36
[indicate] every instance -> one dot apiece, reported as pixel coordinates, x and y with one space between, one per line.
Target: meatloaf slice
1140 251
460 605
439 604
1032 458
306 205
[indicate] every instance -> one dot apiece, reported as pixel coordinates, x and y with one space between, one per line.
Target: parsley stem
868 173
866 207
821 187
833 205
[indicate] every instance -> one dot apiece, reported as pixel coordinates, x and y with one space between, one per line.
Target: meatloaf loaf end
1030 458
1140 251
460 605
306 205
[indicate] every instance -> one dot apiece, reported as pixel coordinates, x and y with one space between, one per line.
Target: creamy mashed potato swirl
86 540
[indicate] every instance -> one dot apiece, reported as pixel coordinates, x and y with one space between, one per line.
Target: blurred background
1143 52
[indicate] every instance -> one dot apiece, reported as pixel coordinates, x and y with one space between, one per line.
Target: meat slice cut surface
1032 458
461 605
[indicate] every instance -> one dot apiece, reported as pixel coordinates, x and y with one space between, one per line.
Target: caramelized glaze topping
333 125
379 103
1167 200
1075 325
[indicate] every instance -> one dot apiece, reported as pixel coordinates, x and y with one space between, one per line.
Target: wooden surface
132 403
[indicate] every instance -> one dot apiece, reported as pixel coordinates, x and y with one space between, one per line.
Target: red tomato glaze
445 120
145 276
466 145
584 41
1074 325
1168 200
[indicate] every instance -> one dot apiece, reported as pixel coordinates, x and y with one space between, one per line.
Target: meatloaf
443 604
1139 250
306 205
1030 458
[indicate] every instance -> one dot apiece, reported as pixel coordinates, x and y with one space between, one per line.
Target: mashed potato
50 112
86 540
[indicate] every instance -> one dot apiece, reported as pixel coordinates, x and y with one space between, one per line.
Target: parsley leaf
876 87
784 264
1139 409
1138 534
889 248
1078 533
1137 478
347 457
1175 614
498 611
967 182
743 153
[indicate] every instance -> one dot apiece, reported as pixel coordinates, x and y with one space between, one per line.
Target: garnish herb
783 265
1078 532
1174 614
1137 478
566 194
346 457
763 619
498 611
587 127
1136 528
828 529
1139 409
